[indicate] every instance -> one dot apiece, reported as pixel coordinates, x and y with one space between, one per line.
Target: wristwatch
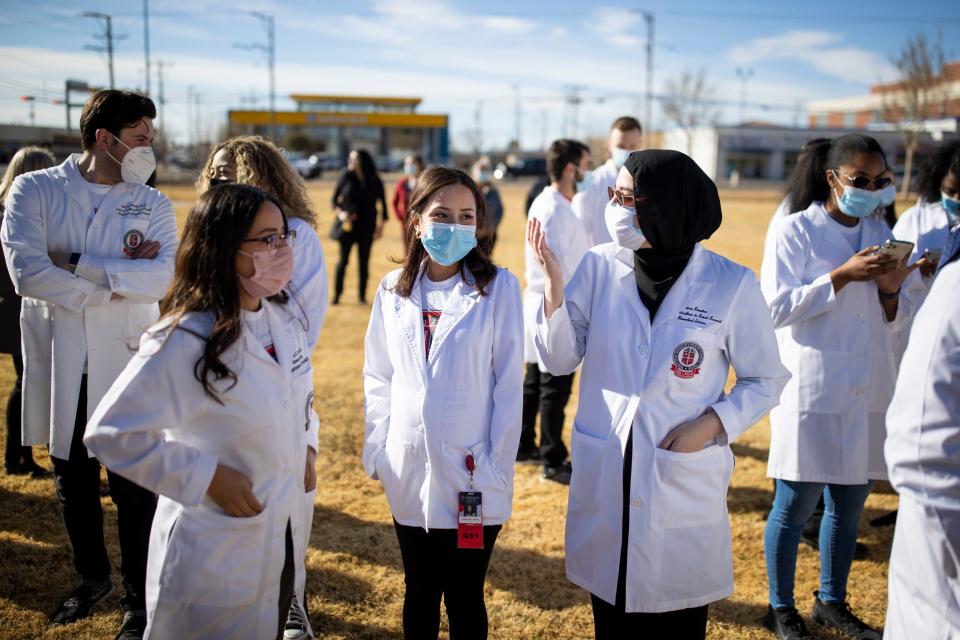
74 261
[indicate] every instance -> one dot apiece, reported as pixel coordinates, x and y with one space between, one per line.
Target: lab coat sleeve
313 432
561 339
505 420
790 297
139 280
33 273
309 281
157 391
566 241
752 349
377 378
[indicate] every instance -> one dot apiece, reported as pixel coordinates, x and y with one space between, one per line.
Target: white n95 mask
138 165
622 226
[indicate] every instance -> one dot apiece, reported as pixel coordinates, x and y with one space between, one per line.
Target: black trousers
78 490
434 567
548 395
287 586
610 622
15 449
364 241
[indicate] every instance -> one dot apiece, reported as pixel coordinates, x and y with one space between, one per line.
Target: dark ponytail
808 180
944 159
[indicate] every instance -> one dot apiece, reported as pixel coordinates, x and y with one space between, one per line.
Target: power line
106 22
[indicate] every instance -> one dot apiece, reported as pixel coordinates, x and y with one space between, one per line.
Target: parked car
307 166
521 167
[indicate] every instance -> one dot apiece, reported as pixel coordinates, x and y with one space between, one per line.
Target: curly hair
945 158
260 163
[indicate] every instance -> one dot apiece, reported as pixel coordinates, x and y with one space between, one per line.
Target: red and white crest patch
131 240
687 359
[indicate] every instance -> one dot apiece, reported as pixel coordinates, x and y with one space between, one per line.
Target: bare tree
918 93
689 104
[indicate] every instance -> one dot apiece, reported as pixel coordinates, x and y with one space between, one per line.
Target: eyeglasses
621 198
275 240
862 182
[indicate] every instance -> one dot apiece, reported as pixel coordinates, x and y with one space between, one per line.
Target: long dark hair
371 178
945 158
205 277
477 262
808 180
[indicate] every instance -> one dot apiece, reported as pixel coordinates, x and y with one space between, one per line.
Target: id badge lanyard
469 516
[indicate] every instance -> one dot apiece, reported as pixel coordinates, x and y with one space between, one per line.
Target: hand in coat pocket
693 436
310 473
233 492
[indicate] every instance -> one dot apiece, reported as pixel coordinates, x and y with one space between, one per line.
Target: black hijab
680 208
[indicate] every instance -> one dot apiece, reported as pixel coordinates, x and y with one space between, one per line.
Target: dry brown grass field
355 580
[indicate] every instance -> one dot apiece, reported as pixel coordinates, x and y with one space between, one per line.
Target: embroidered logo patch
687 358
131 240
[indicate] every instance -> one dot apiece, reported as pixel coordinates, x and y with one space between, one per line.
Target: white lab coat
829 426
679 552
422 417
209 574
923 456
926 225
309 281
568 241
590 204
68 320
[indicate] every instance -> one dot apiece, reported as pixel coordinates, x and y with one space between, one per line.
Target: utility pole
744 74
572 100
33 116
648 125
146 44
517 116
270 52
190 116
161 97
478 128
106 23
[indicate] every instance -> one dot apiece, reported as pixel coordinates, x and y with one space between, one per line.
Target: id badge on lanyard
469 514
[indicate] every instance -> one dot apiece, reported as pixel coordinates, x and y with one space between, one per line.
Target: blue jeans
792 507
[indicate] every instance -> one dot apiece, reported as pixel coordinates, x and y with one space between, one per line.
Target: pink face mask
271 272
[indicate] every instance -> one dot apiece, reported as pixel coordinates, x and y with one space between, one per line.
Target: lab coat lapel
689 289
830 232
628 282
464 297
409 316
75 184
282 345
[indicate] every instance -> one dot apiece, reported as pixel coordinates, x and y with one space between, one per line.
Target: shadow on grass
532 577
330 625
746 451
749 500
35 517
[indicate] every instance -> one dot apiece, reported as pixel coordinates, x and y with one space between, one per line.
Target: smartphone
933 255
899 249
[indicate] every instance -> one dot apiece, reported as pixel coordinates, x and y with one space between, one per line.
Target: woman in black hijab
656 321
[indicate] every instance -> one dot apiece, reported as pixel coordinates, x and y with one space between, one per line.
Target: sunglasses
862 182
275 240
621 198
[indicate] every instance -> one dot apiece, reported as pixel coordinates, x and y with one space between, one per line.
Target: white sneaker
296 626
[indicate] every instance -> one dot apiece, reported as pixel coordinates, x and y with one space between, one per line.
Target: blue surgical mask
951 206
484 176
448 244
857 203
619 156
410 169
585 180
887 195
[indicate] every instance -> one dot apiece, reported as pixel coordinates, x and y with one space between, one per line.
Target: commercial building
880 105
763 152
389 128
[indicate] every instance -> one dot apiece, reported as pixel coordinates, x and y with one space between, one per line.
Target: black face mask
217 181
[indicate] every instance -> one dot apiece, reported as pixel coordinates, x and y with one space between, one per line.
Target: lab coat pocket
587 454
216 560
486 479
396 469
823 380
690 489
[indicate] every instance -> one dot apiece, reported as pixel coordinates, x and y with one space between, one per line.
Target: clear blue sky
458 55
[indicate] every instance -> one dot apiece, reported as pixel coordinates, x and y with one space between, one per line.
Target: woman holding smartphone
213 414
442 394
834 296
